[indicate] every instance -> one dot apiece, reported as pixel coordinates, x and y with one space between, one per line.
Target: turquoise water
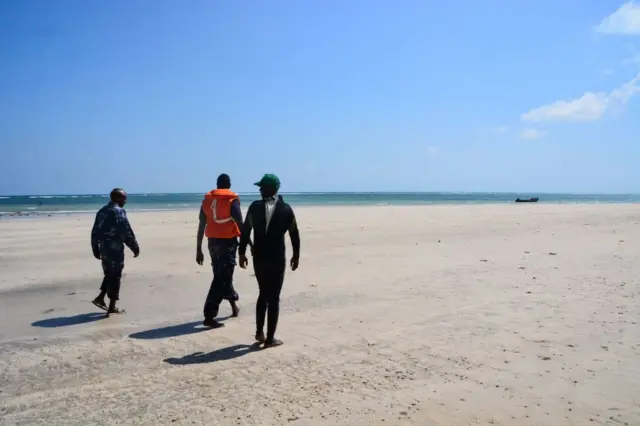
69 204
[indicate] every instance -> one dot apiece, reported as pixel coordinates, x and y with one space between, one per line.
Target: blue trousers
112 268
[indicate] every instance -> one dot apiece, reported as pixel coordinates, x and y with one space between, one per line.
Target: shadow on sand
67 321
223 354
172 331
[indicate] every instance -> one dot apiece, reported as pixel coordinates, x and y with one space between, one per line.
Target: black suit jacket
268 243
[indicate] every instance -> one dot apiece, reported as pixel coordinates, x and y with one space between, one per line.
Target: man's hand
243 261
136 253
96 254
294 263
200 258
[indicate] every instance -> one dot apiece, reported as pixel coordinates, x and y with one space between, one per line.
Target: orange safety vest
217 207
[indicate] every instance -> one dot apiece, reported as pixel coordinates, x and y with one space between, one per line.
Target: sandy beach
445 315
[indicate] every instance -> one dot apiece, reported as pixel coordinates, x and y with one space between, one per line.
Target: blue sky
162 96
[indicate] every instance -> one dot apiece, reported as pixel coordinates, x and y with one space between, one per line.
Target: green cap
269 180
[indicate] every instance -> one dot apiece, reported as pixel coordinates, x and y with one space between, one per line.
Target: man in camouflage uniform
111 232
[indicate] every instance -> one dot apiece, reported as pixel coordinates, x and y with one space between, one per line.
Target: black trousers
270 275
112 268
223 263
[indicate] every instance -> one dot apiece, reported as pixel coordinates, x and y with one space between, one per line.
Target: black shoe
115 311
272 343
98 302
235 311
211 323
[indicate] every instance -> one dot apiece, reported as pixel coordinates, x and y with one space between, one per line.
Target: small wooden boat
527 200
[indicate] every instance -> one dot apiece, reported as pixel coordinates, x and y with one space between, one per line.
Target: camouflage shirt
111 232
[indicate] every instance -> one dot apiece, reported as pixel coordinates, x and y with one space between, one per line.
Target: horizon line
338 193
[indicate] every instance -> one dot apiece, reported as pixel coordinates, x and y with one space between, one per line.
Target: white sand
428 316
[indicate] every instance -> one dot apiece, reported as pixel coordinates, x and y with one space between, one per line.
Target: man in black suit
269 219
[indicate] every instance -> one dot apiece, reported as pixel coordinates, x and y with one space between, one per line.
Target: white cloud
531 134
625 20
433 151
589 107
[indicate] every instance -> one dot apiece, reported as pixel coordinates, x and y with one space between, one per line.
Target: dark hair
116 194
224 181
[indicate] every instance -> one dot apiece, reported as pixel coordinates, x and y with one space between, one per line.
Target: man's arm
236 214
125 232
95 234
202 224
294 234
245 236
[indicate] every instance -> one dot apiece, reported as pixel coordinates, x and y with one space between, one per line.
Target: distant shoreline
35 214
249 193
47 205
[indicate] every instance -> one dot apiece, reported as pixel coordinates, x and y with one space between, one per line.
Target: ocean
34 205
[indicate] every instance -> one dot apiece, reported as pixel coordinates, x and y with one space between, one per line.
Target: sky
364 95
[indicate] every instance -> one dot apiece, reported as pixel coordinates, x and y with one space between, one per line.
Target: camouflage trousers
112 268
223 262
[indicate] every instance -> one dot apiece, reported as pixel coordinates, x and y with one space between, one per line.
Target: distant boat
527 200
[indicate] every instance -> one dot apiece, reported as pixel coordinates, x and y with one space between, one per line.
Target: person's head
224 181
269 185
118 196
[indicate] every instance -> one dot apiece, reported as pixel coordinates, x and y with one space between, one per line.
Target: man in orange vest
220 221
